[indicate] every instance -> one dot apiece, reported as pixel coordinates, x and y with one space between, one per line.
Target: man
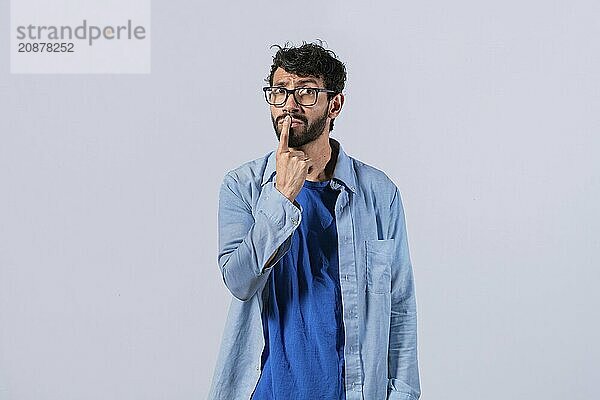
313 247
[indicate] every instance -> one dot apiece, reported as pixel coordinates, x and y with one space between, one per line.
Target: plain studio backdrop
485 114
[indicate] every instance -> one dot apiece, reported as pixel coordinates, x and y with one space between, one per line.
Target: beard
303 134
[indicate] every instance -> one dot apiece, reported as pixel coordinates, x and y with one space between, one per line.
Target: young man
313 247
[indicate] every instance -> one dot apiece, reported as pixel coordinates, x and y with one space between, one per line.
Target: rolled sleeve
247 241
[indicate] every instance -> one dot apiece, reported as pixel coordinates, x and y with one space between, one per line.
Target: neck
323 156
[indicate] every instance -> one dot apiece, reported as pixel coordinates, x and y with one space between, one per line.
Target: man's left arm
403 370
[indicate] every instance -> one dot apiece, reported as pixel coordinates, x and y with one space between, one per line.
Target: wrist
287 195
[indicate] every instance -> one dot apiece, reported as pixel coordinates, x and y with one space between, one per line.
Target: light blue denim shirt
378 295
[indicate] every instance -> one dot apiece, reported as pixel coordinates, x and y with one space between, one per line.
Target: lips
295 121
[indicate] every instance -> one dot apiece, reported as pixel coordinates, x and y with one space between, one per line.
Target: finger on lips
283 138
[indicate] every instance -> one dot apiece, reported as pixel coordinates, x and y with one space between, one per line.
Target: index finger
284 137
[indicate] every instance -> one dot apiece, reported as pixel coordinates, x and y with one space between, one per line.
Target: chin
297 131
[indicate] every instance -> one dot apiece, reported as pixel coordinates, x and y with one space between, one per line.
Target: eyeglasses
305 96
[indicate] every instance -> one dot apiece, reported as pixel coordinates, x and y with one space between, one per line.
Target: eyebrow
299 81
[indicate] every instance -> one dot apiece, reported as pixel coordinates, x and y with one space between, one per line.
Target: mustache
294 116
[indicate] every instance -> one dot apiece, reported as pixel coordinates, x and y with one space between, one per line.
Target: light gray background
485 114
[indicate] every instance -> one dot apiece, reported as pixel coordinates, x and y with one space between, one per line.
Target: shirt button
294 221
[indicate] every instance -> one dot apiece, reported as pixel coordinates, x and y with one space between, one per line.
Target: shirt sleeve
403 377
248 238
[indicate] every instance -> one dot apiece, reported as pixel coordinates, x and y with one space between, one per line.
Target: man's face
308 122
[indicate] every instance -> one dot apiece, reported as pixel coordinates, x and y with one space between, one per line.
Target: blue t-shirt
302 320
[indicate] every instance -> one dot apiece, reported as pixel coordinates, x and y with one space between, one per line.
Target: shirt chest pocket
379 265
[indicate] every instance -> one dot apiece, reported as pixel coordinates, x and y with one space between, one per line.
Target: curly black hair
311 59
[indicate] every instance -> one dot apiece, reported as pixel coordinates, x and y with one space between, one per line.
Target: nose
290 105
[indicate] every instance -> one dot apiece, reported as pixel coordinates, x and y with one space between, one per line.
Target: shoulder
374 182
249 172
245 181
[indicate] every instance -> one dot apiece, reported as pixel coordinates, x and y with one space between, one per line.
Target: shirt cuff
278 208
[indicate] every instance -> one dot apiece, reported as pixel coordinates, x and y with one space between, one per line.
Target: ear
335 105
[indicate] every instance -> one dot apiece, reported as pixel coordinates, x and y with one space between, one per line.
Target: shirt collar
343 171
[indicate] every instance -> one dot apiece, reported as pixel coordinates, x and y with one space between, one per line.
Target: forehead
283 78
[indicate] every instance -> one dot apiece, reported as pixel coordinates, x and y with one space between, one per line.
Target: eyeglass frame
293 92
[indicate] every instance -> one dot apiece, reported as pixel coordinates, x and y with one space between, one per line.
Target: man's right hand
292 165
